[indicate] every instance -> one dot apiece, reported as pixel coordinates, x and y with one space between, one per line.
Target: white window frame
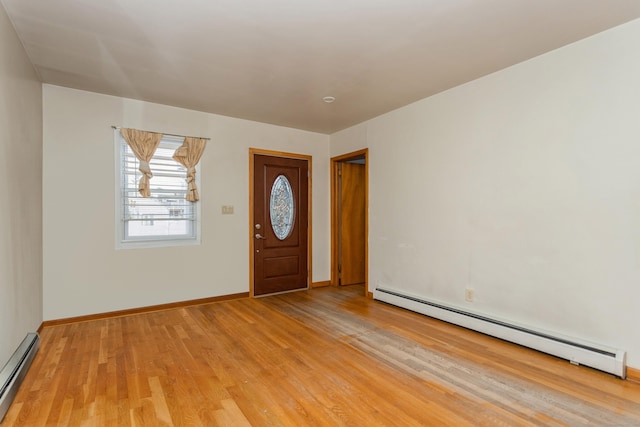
148 241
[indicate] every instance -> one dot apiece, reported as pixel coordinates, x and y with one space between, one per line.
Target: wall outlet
469 295
227 210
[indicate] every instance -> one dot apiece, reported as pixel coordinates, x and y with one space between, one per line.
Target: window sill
145 244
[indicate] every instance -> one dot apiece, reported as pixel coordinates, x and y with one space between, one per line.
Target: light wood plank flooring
325 357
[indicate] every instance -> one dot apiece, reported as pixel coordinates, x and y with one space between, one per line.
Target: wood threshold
633 375
321 284
140 310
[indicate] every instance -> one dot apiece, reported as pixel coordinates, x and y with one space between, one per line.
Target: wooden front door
351 223
280 224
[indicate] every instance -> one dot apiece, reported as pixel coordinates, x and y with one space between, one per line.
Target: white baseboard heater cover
574 350
14 371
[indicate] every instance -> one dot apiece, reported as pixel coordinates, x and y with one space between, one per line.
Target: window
163 219
281 207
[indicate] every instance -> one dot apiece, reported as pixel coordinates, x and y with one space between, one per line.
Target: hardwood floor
325 357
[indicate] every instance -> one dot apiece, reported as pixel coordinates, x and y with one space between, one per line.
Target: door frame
258 151
335 161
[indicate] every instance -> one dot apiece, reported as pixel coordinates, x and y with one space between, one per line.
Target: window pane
152 227
281 207
165 214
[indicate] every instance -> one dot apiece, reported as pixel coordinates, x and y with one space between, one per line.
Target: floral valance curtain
188 155
143 144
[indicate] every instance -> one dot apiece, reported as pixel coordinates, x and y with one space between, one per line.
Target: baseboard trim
140 310
39 330
633 375
321 284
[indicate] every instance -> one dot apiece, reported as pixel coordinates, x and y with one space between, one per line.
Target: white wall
85 274
20 193
523 185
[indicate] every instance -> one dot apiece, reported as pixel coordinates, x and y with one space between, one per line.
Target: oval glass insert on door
281 207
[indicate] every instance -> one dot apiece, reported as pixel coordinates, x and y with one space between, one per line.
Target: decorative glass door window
281 207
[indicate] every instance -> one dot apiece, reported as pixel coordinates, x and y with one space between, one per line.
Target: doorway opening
350 220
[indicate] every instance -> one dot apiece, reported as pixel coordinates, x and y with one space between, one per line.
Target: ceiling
273 61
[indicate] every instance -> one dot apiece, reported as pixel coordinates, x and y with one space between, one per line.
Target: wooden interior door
351 223
280 224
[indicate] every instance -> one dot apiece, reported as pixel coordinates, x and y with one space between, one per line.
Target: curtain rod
168 134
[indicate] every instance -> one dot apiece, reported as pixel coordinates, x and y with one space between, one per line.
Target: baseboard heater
575 351
14 371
